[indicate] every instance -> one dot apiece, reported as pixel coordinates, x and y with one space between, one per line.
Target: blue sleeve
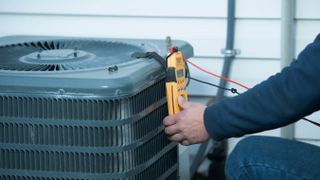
278 101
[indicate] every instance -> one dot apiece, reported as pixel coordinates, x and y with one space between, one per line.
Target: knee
246 151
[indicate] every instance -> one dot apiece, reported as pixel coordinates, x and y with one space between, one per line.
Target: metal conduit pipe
287 47
229 54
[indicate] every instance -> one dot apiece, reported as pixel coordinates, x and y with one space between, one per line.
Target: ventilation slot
81 109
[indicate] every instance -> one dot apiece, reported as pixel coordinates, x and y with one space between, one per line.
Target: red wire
208 72
234 82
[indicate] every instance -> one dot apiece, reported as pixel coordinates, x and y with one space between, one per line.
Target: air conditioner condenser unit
83 108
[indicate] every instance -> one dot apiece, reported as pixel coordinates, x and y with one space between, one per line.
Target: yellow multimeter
175 82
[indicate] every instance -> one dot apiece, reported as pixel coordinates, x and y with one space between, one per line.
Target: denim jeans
273 158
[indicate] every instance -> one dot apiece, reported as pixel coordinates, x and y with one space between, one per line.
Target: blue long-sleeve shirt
280 100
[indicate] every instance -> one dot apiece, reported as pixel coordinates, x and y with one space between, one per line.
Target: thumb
182 103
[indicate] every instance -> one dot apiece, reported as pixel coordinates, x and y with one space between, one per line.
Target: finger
171 130
169 120
183 103
185 143
176 137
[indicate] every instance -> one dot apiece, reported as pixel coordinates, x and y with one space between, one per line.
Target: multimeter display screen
180 73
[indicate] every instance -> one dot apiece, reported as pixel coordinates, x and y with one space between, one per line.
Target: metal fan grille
61 55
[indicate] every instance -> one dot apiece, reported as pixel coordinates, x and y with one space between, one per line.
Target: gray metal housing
84 120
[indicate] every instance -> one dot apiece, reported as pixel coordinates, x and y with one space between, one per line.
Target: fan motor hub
56 56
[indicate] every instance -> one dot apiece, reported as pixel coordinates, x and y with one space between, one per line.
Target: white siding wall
202 23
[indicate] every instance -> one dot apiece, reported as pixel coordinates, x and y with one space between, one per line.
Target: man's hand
187 126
